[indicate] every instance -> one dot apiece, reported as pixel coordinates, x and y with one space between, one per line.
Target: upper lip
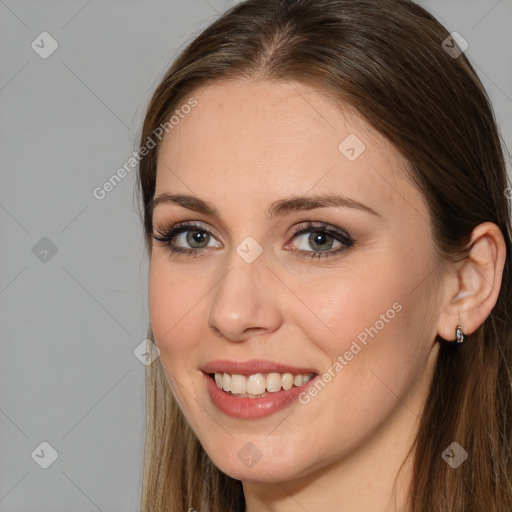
252 367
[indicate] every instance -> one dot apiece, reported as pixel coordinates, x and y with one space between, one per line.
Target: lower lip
250 408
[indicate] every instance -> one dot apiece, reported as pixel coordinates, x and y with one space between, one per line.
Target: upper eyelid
185 225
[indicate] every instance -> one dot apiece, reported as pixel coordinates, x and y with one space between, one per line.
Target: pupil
196 237
319 239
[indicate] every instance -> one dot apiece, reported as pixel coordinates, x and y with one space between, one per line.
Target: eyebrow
277 208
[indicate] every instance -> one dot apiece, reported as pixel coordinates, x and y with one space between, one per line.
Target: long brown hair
387 60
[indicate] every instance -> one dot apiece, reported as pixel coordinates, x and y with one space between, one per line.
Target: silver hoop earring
459 334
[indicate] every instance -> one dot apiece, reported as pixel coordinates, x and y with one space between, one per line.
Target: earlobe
478 278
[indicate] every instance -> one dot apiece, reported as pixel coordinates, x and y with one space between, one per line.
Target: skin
245 145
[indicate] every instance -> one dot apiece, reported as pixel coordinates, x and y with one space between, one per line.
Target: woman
324 204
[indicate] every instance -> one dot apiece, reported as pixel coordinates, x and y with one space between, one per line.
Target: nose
245 301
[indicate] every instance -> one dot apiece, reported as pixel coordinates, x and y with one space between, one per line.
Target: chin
259 473
249 464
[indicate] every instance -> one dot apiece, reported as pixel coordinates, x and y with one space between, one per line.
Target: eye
176 238
322 238
193 239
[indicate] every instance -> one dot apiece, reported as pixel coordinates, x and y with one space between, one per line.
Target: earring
459 334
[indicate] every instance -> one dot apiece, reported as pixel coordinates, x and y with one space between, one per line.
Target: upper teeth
258 383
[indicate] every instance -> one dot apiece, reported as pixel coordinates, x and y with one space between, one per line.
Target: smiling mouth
258 385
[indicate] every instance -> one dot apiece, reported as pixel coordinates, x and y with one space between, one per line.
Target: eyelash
166 237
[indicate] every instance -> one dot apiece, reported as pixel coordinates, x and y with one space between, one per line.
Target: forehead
284 138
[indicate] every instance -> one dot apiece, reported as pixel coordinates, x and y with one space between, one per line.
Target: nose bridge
243 299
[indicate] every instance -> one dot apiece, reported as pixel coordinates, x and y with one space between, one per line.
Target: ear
472 286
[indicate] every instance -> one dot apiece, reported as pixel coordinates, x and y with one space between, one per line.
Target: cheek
162 295
374 322
173 302
347 307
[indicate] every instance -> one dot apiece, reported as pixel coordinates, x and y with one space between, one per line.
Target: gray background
70 323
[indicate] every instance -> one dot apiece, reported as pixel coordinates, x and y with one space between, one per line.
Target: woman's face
345 289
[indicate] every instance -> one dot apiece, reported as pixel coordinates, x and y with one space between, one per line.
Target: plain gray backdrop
73 273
